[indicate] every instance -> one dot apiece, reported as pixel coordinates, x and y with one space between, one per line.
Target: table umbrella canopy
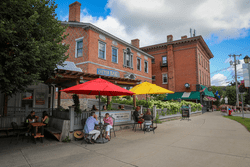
98 87
148 88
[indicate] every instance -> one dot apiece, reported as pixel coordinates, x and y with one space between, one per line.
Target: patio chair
17 132
89 136
135 122
147 124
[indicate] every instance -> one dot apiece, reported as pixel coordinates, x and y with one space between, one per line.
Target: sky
224 25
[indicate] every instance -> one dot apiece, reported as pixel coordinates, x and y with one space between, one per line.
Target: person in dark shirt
29 119
147 116
137 115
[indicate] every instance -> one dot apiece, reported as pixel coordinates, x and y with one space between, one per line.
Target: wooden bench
57 127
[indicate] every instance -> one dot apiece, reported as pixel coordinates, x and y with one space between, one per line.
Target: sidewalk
208 140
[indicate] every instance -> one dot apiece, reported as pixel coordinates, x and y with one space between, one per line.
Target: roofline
89 25
203 43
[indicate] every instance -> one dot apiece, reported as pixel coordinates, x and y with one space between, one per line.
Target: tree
221 92
31 43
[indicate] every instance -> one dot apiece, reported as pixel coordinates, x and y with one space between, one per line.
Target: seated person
104 108
137 116
108 120
147 116
30 119
90 125
45 118
94 108
121 107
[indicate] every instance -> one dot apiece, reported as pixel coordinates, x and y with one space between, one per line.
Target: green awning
206 92
174 96
179 95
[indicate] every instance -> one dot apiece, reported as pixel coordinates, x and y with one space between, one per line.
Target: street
208 140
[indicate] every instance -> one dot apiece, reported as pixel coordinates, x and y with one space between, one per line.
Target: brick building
96 51
181 66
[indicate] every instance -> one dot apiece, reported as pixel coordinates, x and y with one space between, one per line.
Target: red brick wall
183 66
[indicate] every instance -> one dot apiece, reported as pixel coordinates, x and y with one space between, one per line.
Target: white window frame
131 63
140 63
166 59
163 79
112 54
147 66
78 40
104 50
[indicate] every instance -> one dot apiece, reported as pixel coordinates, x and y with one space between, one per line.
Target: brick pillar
135 42
171 71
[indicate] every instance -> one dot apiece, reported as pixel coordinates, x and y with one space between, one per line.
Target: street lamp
246 59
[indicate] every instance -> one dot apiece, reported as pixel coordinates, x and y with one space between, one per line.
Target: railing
163 113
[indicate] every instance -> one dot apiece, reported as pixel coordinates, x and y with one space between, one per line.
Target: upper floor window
102 50
79 48
153 61
164 78
164 59
114 55
146 66
199 58
128 58
138 64
153 77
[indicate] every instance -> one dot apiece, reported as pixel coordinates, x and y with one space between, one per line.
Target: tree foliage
31 43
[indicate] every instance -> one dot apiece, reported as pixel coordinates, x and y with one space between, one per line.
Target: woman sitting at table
94 108
147 116
108 120
104 108
45 118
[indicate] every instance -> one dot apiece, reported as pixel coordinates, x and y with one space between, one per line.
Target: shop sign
106 72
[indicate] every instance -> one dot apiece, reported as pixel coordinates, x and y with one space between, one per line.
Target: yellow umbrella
148 88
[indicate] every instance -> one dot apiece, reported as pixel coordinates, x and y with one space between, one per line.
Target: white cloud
219 80
151 21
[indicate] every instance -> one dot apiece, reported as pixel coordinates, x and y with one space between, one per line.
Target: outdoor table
38 135
101 127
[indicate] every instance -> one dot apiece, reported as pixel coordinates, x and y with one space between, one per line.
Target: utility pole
235 70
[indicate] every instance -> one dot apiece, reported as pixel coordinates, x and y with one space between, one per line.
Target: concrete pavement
208 140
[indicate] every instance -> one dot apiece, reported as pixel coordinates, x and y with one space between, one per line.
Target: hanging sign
106 72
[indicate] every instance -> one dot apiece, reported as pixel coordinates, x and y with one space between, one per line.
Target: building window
199 59
138 64
114 55
128 58
164 78
102 50
164 59
79 48
153 61
146 66
153 77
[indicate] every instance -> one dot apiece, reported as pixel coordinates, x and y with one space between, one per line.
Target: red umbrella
98 87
